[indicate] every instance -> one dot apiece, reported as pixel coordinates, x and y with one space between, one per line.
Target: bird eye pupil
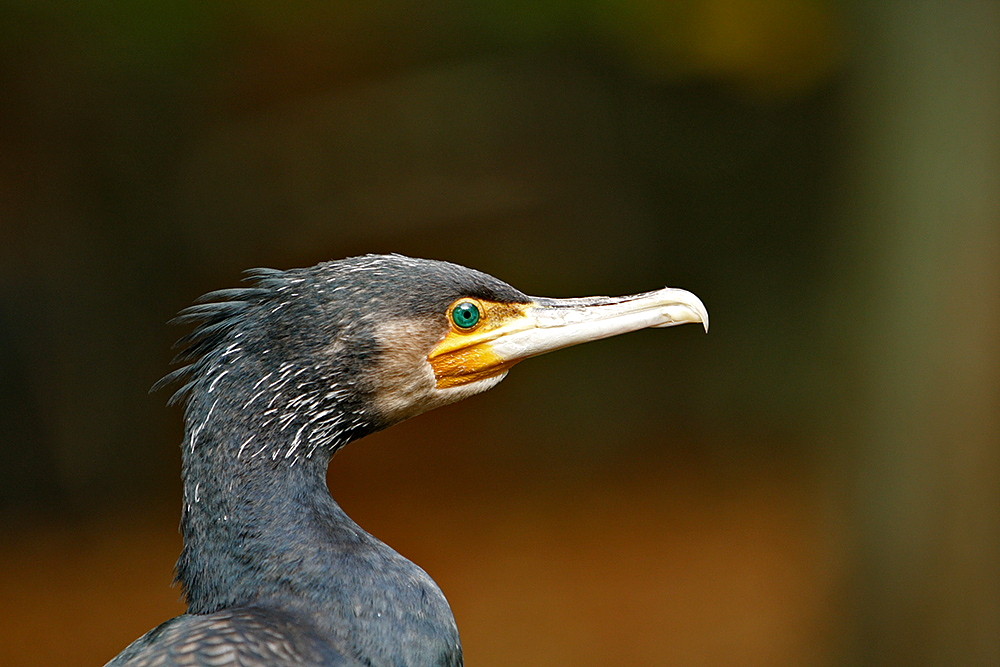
465 315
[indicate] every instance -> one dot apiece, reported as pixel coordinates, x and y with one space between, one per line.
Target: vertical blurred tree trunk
925 314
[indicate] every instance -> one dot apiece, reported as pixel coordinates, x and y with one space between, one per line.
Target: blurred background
815 482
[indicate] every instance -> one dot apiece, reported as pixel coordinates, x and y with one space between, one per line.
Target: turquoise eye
465 315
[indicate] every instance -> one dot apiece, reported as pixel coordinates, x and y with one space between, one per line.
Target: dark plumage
277 376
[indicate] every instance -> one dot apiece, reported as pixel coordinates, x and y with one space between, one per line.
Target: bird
279 374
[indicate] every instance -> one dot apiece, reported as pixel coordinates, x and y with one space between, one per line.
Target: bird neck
261 529
257 518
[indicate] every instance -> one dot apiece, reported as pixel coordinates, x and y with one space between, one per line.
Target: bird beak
544 325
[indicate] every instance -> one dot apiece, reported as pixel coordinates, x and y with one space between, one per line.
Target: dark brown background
814 482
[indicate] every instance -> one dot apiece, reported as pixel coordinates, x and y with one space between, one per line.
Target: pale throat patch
404 382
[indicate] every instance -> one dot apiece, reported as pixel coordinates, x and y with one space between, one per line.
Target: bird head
368 341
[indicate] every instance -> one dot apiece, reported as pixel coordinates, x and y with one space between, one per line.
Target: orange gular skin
465 355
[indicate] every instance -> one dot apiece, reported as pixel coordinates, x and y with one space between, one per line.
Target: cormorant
277 377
